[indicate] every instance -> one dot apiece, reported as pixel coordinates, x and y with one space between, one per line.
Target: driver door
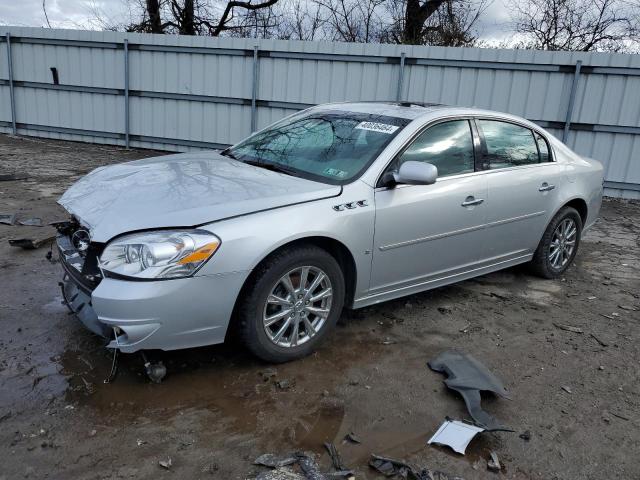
426 233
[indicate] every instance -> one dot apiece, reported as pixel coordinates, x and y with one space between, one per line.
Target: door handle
545 187
471 200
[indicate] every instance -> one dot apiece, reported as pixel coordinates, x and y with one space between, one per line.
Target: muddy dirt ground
218 408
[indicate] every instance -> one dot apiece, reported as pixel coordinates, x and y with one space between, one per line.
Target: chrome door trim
458 232
429 238
516 219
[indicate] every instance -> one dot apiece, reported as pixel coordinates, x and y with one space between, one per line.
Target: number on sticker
377 127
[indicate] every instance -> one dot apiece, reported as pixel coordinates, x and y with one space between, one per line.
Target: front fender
247 240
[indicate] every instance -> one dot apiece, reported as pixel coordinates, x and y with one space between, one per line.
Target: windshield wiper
272 166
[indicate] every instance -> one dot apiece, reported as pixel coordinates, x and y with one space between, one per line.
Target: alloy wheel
563 243
298 306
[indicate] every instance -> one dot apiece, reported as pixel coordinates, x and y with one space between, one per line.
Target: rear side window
447 145
507 145
543 147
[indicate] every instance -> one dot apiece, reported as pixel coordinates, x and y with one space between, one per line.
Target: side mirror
416 173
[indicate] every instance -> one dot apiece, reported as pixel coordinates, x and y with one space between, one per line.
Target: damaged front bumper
140 315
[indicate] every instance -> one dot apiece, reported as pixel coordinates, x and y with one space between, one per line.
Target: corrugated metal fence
176 93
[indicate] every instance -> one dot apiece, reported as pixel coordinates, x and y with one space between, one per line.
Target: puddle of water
223 379
314 429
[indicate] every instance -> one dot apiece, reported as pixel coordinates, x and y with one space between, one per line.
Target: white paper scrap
455 434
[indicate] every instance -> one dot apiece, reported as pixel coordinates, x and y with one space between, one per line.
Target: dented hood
181 190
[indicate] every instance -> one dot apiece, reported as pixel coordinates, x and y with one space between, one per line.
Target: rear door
523 184
427 232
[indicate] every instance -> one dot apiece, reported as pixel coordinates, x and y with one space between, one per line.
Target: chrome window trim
419 132
470 174
534 129
475 135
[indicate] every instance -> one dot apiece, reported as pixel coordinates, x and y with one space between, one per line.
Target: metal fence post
126 93
400 78
572 99
11 92
254 89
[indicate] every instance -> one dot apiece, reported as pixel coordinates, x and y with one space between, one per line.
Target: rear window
507 145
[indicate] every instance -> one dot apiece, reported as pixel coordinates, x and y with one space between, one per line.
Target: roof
408 110
413 110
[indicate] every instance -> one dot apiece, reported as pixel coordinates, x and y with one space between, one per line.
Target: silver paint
409 238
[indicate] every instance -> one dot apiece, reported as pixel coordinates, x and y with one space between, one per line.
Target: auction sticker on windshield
334 172
377 127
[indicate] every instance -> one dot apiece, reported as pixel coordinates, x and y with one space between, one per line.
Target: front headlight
161 254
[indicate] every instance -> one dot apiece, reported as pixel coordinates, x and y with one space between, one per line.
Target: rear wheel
292 303
559 244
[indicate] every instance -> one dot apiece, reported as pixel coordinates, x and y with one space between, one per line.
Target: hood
182 190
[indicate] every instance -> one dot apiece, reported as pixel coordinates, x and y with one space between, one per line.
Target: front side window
328 146
507 145
447 145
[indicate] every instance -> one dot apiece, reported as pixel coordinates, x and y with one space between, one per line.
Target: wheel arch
335 248
578 204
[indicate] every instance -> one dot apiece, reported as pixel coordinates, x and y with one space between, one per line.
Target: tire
544 263
254 312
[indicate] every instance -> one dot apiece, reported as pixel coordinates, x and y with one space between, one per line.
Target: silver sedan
342 205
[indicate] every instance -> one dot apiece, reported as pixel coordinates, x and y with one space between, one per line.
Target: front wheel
293 302
559 244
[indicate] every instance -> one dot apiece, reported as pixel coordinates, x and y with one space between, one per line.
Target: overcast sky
82 14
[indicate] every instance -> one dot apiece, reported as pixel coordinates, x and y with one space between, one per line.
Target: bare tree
352 20
153 11
437 22
434 22
193 17
416 15
611 25
302 21
44 9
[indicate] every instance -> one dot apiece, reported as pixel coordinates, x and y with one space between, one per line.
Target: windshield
328 146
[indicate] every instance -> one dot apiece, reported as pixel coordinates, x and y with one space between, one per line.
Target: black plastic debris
469 377
336 459
273 461
396 468
388 468
352 438
568 328
31 243
284 468
9 177
309 467
280 473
